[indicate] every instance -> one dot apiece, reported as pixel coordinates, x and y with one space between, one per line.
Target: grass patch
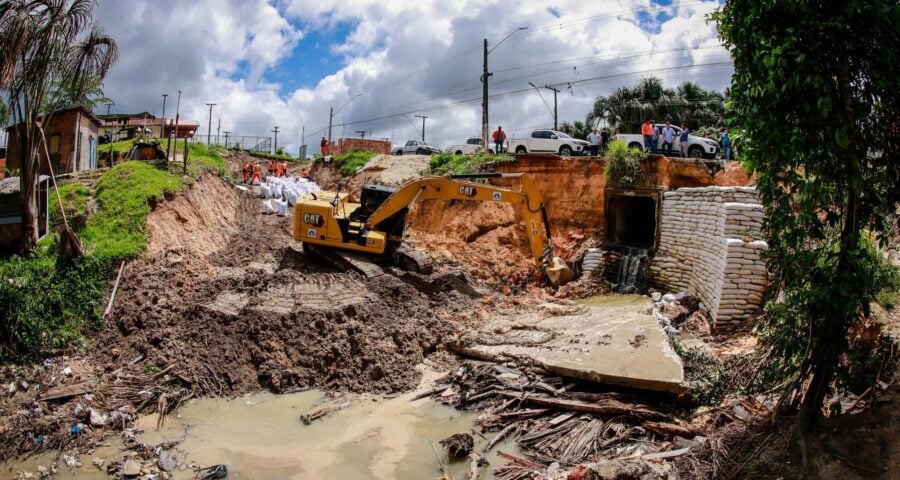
75 199
275 156
623 164
444 163
351 162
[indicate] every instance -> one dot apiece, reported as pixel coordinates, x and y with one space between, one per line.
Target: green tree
64 94
627 107
45 43
817 89
577 129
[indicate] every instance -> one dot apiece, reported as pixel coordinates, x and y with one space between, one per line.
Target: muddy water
261 436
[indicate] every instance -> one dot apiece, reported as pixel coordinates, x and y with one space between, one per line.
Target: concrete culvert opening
631 221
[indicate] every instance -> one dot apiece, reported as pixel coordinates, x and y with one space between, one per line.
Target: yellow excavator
334 225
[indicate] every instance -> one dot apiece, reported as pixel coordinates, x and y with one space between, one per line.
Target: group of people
252 172
653 134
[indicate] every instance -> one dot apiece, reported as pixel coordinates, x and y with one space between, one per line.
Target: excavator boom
375 223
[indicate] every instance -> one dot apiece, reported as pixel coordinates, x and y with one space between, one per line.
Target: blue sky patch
312 59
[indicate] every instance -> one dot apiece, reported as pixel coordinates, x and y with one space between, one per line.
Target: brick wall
710 247
345 145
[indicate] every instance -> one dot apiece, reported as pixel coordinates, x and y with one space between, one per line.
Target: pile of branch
555 421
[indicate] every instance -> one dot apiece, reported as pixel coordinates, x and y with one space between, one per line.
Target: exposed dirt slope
257 314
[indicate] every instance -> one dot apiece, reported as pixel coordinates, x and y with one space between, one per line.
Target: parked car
550 141
472 146
416 147
698 147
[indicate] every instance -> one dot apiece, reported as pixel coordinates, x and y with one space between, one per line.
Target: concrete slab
612 339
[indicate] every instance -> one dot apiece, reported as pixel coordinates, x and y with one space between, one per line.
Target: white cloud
404 56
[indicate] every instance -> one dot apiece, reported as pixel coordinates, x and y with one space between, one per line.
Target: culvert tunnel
631 237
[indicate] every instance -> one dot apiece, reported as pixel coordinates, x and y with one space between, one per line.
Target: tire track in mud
257 314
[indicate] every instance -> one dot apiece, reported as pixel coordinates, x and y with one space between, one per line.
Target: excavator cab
371 198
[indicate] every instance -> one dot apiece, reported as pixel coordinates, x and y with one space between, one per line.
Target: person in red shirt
324 146
647 132
499 136
246 172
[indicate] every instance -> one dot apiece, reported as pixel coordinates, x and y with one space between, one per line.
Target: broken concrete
612 340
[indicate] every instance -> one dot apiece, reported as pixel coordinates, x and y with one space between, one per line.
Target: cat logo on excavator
313 219
467 190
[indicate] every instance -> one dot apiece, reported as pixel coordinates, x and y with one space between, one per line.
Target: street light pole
209 127
110 104
332 112
484 91
423 117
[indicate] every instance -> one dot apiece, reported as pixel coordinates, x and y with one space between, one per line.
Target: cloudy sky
286 62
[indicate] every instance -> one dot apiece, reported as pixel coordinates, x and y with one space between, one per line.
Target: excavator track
342 260
414 260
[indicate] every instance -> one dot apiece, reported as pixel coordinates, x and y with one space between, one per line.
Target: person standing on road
726 145
323 146
499 136
654 143
594 139
668 135
647 132
683 141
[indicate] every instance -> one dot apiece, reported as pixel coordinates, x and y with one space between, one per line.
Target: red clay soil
257 314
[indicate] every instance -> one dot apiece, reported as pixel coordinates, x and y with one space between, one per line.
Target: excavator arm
455 187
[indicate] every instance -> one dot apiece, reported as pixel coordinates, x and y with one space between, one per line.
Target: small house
72 135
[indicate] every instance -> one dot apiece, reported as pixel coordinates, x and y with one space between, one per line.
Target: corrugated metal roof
11 184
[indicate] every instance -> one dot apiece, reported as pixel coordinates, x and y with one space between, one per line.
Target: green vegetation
827 191
351 162
275 156
48 301
75 198
623 164
444 163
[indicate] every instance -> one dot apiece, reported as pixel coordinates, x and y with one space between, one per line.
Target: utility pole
330 118
484 80
362 134
484 99
555 91
209 127
162 124
177 113
302 142
108 105
227 133
423 117
218 129
275 148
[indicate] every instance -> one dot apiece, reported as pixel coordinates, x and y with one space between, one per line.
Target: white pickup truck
698 147
549 141
471 147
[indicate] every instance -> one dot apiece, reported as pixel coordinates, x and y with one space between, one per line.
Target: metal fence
255 143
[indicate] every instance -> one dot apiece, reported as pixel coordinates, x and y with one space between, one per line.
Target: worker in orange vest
283 169
257 173
246 172
305 174
647 132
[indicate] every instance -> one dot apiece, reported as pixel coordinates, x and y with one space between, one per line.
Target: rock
72 461
67 371
98 462
167 462
27 475
131 468
656 297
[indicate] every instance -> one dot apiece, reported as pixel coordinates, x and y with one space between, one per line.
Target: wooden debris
670 429
474 466
606 407
66 391
666 454
499 437
322 410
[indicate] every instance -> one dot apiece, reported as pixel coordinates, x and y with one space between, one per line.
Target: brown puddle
261 436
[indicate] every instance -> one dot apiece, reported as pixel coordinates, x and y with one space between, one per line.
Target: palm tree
628 107
576 129
42 43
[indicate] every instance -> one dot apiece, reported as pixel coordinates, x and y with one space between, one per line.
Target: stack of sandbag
291 189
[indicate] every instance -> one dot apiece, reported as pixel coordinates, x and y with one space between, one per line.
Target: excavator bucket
559 273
